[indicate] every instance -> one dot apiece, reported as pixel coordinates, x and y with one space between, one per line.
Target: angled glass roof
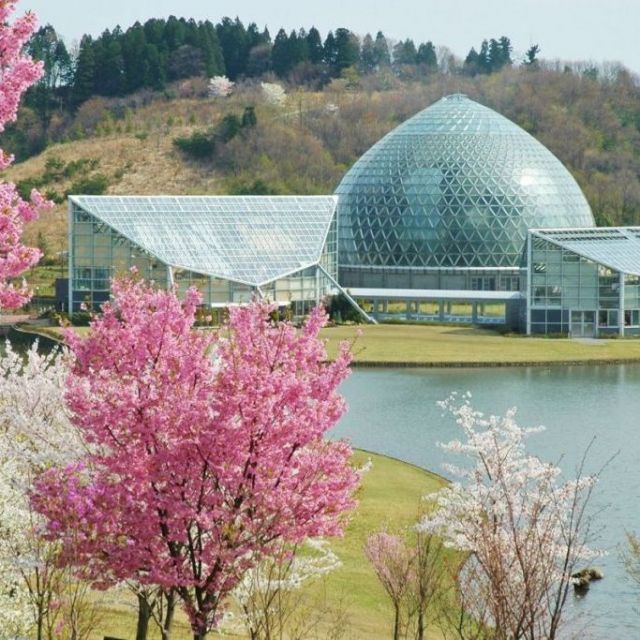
248 239
456 185
615 247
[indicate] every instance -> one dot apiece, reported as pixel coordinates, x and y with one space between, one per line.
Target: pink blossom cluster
207 450
17 72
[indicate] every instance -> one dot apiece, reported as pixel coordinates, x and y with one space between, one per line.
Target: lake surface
394 411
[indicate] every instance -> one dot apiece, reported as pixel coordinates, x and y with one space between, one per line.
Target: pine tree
426 57
211 51
381 47
368 54
83 81
531 56
347 50
280 54
405 53
471 65
314 46
330 51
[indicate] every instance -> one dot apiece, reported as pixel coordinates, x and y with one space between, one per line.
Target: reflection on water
393 411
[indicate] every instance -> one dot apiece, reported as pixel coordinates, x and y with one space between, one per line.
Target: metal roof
615 247
248 239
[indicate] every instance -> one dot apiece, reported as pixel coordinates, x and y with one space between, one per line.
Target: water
394 411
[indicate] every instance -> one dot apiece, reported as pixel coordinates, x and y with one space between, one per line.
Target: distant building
457 215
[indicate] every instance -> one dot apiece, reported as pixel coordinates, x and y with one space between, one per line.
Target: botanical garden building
457 215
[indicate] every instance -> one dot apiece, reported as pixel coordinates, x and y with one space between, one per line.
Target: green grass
429 345
390 496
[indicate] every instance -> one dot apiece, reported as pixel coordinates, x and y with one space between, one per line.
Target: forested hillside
109 119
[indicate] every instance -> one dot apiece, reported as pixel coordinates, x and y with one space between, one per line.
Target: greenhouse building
232 248
433 219
584 282
457 215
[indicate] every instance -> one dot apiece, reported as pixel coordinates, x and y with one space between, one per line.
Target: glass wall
570 294
98 253
435 310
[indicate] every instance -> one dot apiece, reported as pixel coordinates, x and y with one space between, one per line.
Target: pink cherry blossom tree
209 450
392 561
17 73
522 527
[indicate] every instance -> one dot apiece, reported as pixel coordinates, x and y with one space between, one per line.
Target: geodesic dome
457 185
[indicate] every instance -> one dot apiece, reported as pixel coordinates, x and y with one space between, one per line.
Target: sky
589 30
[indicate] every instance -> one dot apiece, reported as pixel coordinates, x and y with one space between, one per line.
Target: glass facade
283 248
584 282
456 186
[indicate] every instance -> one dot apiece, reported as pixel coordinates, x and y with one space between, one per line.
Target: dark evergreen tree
471 64
314 46
404 53
235 46
83 79
347 49
330 51
484 61
381 47
134 56
531 56
211 51
51 91
302 47
368 61
154 32
426 57
174 33
249 118
280 54
505 51
156 68
109 77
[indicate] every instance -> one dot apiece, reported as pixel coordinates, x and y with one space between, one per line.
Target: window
632 318
483 283
510 283
608 318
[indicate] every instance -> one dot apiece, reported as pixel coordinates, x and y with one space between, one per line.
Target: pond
394 412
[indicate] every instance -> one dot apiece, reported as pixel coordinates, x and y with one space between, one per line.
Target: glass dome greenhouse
456 186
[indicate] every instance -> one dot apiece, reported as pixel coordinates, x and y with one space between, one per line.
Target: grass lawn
390 495
437 345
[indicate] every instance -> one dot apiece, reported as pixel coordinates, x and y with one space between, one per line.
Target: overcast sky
568 29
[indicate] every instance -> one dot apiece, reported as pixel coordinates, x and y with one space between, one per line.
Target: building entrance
583 324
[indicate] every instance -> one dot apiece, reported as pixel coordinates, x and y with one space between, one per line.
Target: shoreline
465 364
49 337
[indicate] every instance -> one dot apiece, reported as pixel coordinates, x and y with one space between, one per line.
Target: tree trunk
168 619
396 623
420 630
144 613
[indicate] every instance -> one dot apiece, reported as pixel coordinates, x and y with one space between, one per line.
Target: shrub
94 185
198 145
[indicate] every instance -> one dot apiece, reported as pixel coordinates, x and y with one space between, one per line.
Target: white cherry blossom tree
522 527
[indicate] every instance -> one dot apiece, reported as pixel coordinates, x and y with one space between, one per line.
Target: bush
80 318
256 188
94 185
25 186
81 165
198 145
341 310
